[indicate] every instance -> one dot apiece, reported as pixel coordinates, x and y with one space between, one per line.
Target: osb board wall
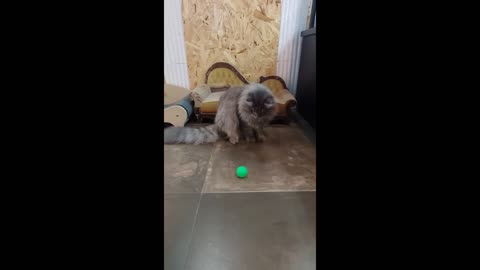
243 33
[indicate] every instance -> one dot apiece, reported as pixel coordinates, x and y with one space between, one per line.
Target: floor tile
179 216
286 161
185 167
254 231
307 130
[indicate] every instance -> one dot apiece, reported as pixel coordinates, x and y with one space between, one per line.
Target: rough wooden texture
243 33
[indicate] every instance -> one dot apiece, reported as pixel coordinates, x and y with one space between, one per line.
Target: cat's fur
243 112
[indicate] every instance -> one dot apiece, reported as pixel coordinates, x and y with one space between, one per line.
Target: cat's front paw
233 140
250 139
261 138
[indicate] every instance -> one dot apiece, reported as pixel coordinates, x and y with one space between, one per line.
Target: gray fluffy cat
243 112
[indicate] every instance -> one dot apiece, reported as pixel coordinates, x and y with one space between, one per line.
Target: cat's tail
188 135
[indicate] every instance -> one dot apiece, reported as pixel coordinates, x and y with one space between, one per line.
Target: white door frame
292 22
175 56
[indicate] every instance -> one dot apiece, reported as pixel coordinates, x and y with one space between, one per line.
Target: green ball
242 172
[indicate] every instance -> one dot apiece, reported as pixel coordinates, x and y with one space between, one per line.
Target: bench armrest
283 96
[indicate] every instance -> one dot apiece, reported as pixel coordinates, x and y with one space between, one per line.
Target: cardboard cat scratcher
177 106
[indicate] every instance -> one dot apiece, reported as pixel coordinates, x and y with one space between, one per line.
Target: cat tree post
177 106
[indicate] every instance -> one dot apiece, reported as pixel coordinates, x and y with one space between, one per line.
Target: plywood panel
243 33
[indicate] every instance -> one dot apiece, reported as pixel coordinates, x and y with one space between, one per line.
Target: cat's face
259 101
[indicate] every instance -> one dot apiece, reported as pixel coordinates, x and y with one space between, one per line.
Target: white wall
292 23
175 58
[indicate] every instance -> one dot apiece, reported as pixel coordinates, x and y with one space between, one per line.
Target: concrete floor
213 220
